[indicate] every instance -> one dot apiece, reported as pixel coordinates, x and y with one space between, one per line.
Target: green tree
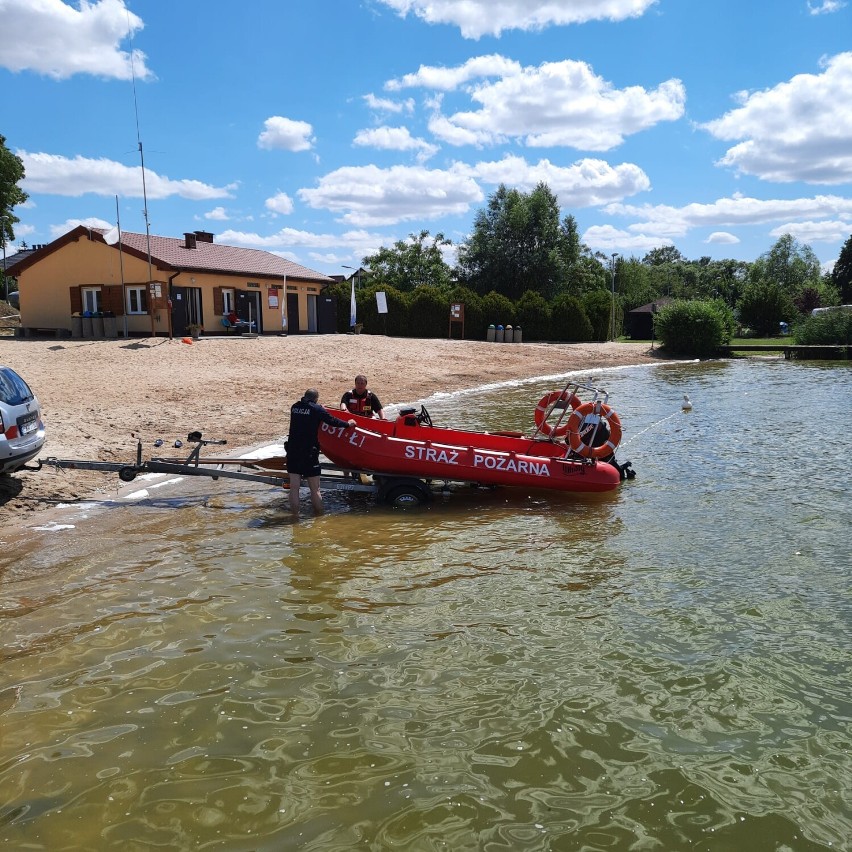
416 262
11 195
518 244
764 305
841 275
791 265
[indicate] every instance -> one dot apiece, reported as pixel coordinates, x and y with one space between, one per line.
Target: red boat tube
407 447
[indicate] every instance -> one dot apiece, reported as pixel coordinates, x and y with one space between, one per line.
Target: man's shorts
305 463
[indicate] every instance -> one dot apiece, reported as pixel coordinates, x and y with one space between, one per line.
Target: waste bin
87 326
518 334
98 326
76 325
507 334
501 332
491 333
110 327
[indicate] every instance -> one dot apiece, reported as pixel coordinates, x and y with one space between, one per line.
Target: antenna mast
144 187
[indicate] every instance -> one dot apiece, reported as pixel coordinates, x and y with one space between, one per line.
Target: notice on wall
381 302
273 297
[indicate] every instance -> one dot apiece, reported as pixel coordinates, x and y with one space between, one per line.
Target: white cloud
722 238
447 79
69 225
52 174
582 184
280 203
815 232
348 247
289 237
218 214
368 195
52 38
287 134
738 210
826 7
554 104
476 18
797 131
394 139
605 238
387 105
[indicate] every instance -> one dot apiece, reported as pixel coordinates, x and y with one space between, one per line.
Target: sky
321 130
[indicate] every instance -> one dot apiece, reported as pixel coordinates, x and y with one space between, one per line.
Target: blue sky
324 129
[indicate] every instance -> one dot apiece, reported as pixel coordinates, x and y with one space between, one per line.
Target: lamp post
612 310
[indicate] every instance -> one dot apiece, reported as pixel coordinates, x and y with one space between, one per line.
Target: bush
830 328
532 314
497 309
695 329
568 320
597 305
429 312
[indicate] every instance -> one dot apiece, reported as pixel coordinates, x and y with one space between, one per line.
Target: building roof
14 259
651 306
169 253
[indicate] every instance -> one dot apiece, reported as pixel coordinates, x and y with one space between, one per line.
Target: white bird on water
687 405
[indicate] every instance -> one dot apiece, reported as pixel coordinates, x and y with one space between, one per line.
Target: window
137 300
91 299
228 301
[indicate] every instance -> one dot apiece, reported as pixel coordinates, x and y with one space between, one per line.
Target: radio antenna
141 154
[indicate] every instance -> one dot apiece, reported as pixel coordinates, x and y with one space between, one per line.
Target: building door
292 313
327 320
312 314
248 308
186 308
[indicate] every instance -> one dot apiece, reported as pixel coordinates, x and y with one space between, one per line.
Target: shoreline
99 397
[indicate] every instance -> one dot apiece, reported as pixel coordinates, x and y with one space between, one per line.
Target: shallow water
662 668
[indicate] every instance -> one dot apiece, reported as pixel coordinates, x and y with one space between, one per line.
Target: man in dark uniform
362 401
303 447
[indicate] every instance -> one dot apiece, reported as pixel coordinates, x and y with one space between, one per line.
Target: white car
21 426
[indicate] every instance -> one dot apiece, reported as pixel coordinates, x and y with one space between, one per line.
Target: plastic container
519 334
507 335
491 333
501 333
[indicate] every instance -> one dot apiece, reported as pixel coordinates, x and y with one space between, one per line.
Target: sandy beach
98 396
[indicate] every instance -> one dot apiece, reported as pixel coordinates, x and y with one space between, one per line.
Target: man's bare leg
316 496
295 484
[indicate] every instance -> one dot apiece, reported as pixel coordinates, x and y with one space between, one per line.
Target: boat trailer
397 491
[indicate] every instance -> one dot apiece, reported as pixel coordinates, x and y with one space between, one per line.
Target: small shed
640 321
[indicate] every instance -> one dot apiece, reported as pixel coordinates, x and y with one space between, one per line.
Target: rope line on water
652 426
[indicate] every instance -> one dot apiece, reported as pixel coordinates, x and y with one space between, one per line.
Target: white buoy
687 405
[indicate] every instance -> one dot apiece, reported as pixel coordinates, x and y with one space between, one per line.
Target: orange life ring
575 439
546 404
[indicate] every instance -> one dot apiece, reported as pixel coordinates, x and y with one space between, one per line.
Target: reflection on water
662 668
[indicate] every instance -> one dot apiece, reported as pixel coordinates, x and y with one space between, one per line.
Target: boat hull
403 447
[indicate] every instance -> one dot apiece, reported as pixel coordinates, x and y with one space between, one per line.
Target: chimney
189 240
204 236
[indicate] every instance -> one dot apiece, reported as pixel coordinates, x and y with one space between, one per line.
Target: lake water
664 668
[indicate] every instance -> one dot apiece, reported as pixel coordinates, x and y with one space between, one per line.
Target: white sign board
381 302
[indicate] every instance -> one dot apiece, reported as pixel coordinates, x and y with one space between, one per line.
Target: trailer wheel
127 474
408 494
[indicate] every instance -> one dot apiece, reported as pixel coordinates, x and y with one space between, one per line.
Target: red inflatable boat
572 448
